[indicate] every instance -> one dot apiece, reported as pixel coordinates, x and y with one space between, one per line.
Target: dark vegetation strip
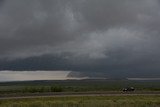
76 86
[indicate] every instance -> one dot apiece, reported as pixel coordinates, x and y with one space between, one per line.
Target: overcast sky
100 33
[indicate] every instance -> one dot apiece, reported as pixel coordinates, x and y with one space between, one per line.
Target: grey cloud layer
110 31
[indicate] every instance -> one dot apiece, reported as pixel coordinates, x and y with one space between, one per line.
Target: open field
83 93
76 86
85 101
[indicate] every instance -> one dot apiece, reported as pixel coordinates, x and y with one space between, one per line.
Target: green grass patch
85 101
76 86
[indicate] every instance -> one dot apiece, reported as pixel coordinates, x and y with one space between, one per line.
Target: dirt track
76 94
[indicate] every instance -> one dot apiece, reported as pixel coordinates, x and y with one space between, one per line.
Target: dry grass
85 101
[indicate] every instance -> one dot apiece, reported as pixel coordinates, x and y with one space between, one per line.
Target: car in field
128 89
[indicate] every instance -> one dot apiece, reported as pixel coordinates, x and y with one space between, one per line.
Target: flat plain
85 101
79 93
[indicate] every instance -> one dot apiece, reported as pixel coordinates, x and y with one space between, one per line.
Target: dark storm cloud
27 25
108 34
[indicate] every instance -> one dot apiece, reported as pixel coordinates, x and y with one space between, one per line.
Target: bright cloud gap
33 75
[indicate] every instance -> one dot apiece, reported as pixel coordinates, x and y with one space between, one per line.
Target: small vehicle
128 89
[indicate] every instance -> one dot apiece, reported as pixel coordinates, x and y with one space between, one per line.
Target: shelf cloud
101 33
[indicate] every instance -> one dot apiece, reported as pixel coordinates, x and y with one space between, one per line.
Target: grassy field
76 86
94 101
32 88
